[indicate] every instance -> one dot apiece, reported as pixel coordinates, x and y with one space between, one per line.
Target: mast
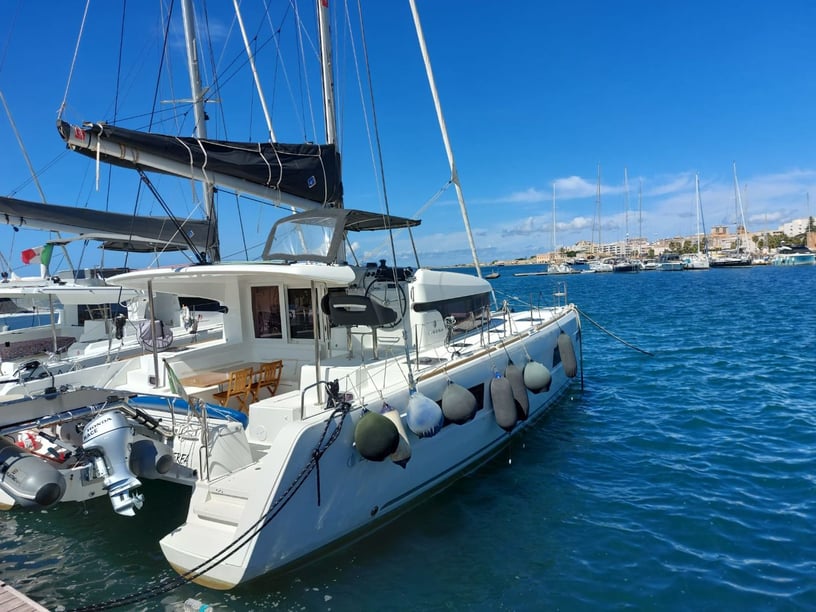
327 71
443 127
640 215
555 248
200 115
598 209
626 210
698 208
740 211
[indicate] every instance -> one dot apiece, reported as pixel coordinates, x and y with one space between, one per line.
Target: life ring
28 440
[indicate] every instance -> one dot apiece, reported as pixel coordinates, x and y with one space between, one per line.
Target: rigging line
367 64
433 199
364 110
8 40
73 60
115 113
241 226
279 63
307 113
199 256
609 333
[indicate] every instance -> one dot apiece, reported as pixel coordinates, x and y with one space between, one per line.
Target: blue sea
681 476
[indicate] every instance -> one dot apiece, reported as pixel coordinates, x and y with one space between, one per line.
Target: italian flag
40 255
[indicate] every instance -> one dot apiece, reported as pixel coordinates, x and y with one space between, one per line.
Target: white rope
73 63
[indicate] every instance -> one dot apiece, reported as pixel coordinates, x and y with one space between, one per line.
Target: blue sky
533 93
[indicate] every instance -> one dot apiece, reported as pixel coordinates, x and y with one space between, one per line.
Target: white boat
395 381
627 265
739 256
670 262
84 320
700 259
91 322
793 256
560 267
603 265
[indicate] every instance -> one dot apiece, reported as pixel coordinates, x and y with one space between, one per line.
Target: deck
11 600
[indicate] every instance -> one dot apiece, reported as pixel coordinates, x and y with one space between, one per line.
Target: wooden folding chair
239 387
268 378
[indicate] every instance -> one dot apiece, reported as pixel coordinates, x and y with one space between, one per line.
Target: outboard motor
109 438
28 479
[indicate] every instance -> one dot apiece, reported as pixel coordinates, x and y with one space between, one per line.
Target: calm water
682 480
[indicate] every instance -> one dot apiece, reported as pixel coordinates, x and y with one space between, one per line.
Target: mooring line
606 331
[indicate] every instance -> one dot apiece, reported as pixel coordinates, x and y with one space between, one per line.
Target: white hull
356 495
239 482
697 261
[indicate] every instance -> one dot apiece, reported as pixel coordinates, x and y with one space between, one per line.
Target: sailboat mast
327 71
200 117
697 208
443 127
740 211
598 208
626 210
555 248
640 215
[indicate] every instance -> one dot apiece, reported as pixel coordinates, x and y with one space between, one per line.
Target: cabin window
301 318
99 312
267 312
466 313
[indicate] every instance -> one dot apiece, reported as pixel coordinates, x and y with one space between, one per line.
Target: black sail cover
308 171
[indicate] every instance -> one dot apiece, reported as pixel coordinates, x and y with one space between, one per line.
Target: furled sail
302 175
116 231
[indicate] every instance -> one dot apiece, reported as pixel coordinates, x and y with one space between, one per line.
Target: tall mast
740 211
640 214
443 127
598 209
327 71
697 208
553 220
200 117
626 210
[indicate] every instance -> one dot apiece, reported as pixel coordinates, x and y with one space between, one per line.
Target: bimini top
317 235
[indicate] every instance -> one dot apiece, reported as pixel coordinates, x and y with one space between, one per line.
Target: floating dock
11 600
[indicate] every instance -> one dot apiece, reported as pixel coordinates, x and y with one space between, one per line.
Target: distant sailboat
556 267
626 263
738 257
598 265
700 259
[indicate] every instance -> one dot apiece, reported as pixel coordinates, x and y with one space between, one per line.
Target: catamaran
392 380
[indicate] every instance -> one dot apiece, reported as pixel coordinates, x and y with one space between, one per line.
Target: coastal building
795 227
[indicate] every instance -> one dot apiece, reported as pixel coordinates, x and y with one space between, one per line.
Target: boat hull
353 496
